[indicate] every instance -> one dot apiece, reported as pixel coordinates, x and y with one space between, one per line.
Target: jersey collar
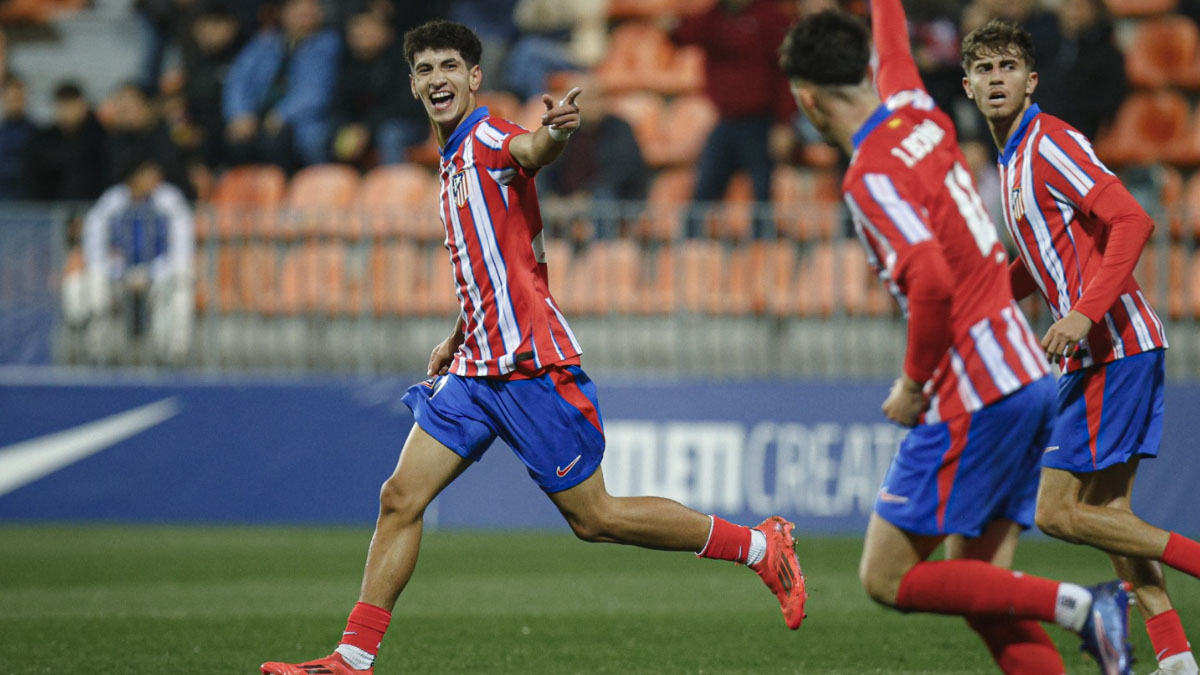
1014 141
881 113
460 132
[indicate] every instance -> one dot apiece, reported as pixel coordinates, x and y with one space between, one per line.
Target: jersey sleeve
897 70
890 220
1070 169
492 137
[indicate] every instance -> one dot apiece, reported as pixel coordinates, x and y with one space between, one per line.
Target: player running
975 389
1080 233
510 368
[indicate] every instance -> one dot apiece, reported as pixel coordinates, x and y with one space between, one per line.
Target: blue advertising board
259 451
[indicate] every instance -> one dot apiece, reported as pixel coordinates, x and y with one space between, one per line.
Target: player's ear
412 86
1031 83
476 77
967 88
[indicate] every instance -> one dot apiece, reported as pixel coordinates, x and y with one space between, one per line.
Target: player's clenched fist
906 402
1065 334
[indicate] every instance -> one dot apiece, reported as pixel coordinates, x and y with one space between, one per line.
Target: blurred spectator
138 249
372 109
136 131
16 132
162 22
934 30
68 160
492 21
277 95
741 41
1085 83
209 48
601 168
557 35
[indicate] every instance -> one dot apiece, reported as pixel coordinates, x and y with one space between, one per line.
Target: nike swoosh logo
1050 449
563 472
885 496
24 462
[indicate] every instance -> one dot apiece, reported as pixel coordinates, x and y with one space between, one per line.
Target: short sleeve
1070 169
492 137
886 215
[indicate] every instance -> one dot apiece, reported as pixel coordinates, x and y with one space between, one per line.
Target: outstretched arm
543 146
897 70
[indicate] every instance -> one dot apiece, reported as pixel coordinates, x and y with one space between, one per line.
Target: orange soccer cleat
780 570
330 665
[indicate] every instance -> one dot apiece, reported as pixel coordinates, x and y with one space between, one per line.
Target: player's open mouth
441 100
997 97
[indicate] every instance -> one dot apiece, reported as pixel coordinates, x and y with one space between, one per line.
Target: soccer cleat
330 665
780 570
1105 634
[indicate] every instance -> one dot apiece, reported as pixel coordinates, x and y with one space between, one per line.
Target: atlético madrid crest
459 188
1016 204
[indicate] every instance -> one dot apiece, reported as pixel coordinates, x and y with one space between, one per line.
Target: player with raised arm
975 388
510 368
1079 233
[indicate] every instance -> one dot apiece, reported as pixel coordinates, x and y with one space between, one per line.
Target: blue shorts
551 421
957 476
1108 414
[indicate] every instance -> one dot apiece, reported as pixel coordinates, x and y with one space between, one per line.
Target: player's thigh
889 552
424 469
997 544
584 502
1110 487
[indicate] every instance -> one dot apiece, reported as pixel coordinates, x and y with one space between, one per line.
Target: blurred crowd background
251 184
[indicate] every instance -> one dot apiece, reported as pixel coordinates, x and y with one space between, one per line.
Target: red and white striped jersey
908 187
489 209
1050 177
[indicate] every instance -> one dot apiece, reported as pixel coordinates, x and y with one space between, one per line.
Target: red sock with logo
1018 646
969 587
365 627
726 541
1166 635
1183 554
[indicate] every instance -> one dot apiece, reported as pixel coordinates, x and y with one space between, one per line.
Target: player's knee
396 500
879 585
1055 520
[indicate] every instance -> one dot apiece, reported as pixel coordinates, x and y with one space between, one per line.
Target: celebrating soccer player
1080 233
510 368
975 387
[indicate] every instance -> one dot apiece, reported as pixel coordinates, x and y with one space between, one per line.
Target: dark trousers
734 144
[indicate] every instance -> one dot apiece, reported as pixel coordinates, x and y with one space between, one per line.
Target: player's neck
848 116
1003 128
443 132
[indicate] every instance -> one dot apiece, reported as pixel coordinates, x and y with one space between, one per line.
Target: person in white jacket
138 249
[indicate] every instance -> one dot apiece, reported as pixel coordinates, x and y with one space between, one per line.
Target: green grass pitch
126 600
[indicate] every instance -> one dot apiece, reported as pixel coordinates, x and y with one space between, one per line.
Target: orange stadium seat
1186 152
244 201
641 57
669 196
1134 8
1191 290
639 9
318 200
658 281
773 269
1171 197
435 284
1162 51
500 104
807 202
1147 126
1190 208
683 129
399 199
702 265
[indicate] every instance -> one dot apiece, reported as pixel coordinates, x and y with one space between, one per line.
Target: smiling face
1001 84
446 85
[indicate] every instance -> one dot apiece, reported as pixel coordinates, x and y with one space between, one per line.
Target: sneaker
1107 628
330 665
780 570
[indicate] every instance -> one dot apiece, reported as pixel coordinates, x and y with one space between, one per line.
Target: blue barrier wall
316 452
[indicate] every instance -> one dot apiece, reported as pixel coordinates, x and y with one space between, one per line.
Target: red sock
366 626
1183 554
726 541
1018 646
969 587
1166 635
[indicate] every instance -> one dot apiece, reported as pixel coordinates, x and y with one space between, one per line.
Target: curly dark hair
829 47
441 34
998 36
